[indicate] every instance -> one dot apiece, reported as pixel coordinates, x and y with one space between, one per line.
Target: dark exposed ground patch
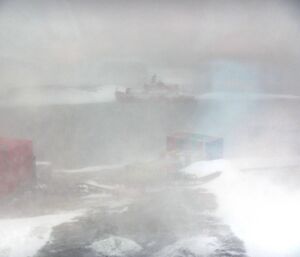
154 221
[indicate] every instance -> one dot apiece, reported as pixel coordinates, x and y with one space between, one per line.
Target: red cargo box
17 165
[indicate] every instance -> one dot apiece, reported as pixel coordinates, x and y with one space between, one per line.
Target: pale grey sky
66 41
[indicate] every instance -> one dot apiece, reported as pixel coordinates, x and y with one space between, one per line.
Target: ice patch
26 236
116 246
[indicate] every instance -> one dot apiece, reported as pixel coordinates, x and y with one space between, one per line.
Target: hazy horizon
73 42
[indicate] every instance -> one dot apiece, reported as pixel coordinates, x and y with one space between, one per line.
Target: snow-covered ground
92 168
77 95
102 186
54 96
229 96
26 236
262 211
195 246
120 220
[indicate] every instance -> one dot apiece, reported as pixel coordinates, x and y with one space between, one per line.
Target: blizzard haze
73 42
76 79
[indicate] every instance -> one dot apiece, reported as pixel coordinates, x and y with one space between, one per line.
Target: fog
105 182
69 42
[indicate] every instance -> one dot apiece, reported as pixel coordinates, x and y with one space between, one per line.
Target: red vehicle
17 164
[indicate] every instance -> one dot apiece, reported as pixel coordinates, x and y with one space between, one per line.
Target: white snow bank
116 246
264 214
196 246
26 236
92 168
43 163
102 186
102 196
205 168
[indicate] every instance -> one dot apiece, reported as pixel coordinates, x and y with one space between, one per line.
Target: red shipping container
17 164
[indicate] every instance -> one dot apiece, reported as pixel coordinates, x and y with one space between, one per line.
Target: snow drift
26 236
116 246
195 246
261 210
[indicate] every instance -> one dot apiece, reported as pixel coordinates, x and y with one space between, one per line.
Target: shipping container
17 164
